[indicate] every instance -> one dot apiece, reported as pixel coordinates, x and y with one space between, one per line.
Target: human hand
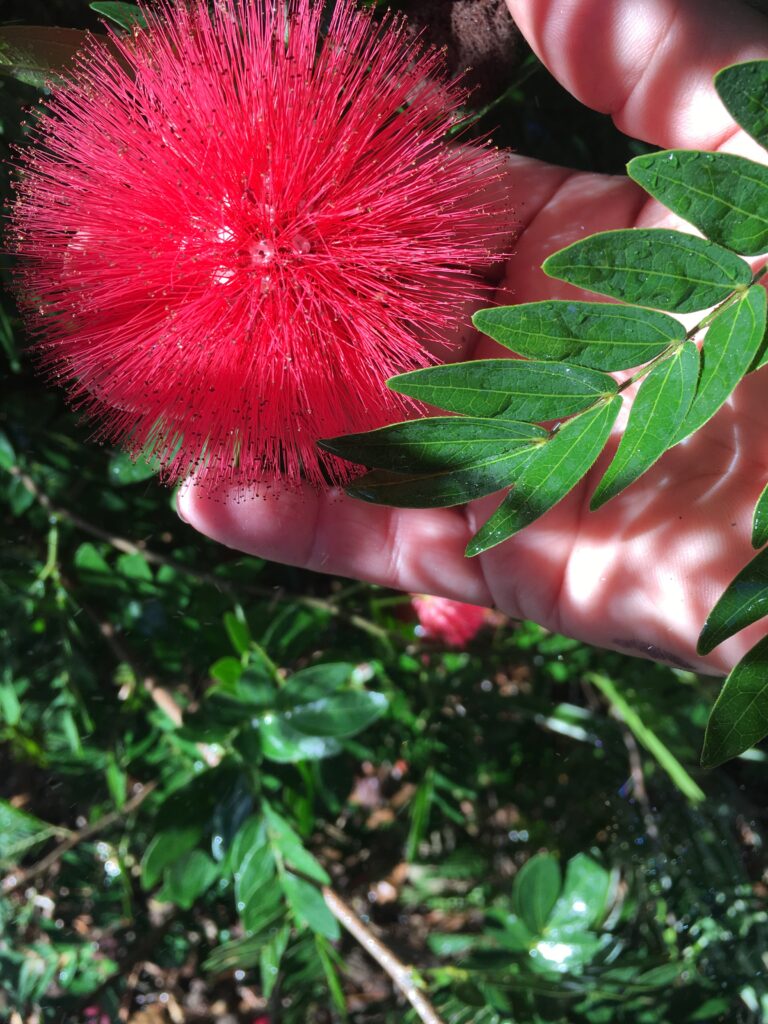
641 573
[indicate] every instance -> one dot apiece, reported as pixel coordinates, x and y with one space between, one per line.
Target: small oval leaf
550 474
308 906
744 602
658 410
739 718
652 267
594 334
535 891
519 389
760 520
743 88
724 196
728 351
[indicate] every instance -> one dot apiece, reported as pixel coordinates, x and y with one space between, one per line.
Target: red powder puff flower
237 223
452 622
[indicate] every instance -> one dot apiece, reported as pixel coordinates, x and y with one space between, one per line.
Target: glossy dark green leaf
535 891
315 682
652 267
165 848
743 88
595 334
187 879
760 520
724 196
739 718
339 715
125 15
282 743
124 470
36 53
657 412
550 474
518 389
307 903
290 847
584 899
729 348
745 601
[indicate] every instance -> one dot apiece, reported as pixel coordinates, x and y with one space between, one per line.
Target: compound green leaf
744 602
36 53
743 88
595 334
658 410
729 348
307 903
760 520
125 15
519 389
739 718
535 891
652 267
550 474
723 195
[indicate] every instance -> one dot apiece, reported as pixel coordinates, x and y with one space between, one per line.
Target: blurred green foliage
193 742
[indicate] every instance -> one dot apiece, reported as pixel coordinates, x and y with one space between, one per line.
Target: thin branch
401 975
15 881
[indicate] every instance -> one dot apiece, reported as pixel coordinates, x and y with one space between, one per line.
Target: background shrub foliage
194 743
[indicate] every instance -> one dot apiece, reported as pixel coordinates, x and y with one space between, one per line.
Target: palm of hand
642 572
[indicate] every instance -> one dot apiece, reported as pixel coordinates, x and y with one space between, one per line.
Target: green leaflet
308 906
452 459
550 474
729 348
35 53
725 196
520 389
125 15
760 520
743 88
433 444
594 334
662 402
739 718
745 601
652 267
441 489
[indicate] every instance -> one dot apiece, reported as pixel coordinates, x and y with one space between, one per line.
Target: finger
649 63
407 549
